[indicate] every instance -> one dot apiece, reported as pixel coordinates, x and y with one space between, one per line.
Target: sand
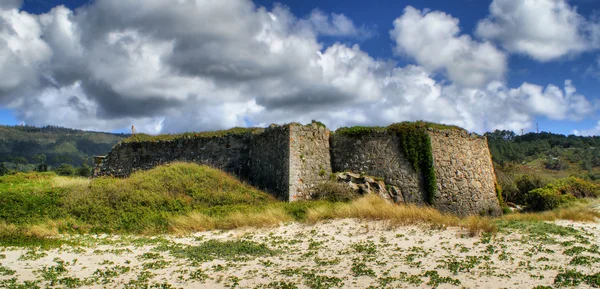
344 253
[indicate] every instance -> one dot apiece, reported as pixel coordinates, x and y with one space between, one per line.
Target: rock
369 185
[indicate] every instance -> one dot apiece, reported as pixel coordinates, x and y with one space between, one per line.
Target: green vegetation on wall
415 144
141 137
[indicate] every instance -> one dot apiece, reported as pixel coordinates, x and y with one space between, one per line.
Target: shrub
65 170
84 171
548 198
525 184
556 164
3 169
561 192
579 188
334 192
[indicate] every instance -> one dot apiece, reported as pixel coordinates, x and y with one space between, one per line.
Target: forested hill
25 146
557 150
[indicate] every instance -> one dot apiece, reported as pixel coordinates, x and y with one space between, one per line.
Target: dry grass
69 182
48 229
270 217
197 222
44 230
578 212
192 222
372 207
475 224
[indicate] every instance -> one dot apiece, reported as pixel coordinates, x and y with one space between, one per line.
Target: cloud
172 66
10 4
433 39
594 131
336 25
542 29
22 53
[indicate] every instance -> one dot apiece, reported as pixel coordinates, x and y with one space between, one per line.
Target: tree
84 170
65 170
3 169
40 159
41 162
20 162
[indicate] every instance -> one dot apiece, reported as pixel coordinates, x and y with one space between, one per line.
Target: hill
19 145
542 160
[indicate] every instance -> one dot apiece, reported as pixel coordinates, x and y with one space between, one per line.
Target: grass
39 205
578 212
181 198
189 135
225 250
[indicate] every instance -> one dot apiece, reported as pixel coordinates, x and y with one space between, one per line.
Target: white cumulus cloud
542 29
433 39
171 66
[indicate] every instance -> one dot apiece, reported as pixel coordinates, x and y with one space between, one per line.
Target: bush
65 170
577 187
334 192
561 192
525 184
548 198
3 169
556 164
84 171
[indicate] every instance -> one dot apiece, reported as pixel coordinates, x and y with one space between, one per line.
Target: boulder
363 185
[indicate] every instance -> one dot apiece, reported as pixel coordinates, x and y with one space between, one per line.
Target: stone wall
465 173
230 153
287 161
309 159
290 161
377 154
269 161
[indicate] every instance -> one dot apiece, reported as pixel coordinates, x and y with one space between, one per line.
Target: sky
170 66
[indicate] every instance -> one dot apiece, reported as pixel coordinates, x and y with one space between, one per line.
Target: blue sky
483 65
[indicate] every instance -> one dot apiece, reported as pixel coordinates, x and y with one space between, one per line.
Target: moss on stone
190 135
359 130
498 189
318 123
364 130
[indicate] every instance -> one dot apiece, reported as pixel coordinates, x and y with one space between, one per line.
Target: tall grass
181 198
144 202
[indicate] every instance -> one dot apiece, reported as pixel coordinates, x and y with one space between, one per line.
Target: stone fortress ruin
445 167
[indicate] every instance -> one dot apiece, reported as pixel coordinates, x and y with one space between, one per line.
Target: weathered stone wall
269 161
287 161
290 161
230 153
377 154
309 159
465 173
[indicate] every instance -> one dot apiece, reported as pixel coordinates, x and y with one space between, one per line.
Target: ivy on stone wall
416 146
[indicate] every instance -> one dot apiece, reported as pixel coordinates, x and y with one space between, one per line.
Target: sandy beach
336 254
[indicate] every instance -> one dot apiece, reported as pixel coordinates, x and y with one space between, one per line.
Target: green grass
225 250
189 135
181 198
144 202
362 130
